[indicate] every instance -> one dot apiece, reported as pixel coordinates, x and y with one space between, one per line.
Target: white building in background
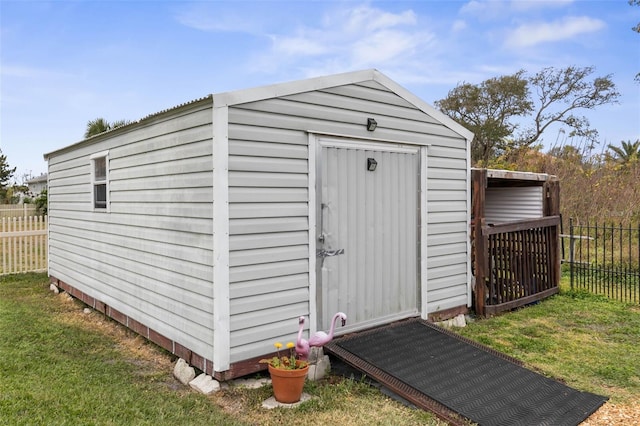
37 184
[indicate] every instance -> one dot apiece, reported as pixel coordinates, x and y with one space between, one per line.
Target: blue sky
63 63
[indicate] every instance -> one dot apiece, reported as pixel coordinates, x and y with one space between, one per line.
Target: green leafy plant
41 202
285 362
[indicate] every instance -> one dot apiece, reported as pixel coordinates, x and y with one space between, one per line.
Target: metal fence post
571 251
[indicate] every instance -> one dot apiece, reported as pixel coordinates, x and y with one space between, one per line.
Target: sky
64 62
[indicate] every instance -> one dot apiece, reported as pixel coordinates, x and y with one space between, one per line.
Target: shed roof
236 97
497 177
38 179
319 83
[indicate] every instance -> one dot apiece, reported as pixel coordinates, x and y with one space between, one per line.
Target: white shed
210 227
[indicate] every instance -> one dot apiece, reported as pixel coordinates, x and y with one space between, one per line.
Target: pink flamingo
302 346
320 338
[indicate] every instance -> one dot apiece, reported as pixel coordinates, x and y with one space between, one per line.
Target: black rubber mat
480 384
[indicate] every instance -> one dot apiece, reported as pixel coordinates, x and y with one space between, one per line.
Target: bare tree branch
564 91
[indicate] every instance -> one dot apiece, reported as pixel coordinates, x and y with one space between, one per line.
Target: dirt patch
150 360
231 402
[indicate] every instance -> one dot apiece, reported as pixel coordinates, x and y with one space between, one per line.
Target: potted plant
287 374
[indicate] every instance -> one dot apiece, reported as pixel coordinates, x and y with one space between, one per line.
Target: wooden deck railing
518 263
23 244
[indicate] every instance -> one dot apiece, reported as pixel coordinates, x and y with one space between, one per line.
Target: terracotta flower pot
288 384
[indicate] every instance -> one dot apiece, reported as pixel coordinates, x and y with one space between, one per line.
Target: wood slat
521 263
24 244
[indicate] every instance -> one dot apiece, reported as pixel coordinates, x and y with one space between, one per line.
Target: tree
42 203
490 108
6 173
100 125
486 110
627 153
560 93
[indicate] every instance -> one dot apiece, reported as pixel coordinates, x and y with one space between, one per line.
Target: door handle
322 235
329 253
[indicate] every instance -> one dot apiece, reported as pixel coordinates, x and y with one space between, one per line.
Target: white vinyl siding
447 243
268 154
151 257
231 173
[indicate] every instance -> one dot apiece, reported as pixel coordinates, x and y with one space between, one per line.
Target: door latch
329 253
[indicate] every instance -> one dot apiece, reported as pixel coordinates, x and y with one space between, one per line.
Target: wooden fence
17 210
518 263
23 244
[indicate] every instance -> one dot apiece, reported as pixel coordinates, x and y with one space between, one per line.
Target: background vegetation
601 187
513 118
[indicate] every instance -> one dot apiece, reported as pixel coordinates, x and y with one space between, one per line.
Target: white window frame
95 182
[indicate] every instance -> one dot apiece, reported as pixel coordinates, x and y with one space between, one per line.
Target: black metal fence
605 259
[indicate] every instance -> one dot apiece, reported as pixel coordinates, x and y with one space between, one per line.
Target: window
99 180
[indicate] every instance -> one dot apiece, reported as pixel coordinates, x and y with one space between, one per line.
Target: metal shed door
367 232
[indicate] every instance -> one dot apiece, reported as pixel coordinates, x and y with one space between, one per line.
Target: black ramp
480 384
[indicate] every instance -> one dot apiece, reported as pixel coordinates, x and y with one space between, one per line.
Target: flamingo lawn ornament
302 346
320 338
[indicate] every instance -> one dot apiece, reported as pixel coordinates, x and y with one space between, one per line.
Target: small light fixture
371 124
371 164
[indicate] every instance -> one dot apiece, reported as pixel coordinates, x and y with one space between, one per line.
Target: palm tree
628 152
100 125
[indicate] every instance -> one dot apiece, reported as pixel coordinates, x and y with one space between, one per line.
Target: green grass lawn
61 366
57 372
587 341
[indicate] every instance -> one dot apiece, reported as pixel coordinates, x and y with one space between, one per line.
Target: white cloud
535 33
22 71
301 45
209 17
347 39
493 9
344 37
484 9
385 46
524 6
458 25
369 20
